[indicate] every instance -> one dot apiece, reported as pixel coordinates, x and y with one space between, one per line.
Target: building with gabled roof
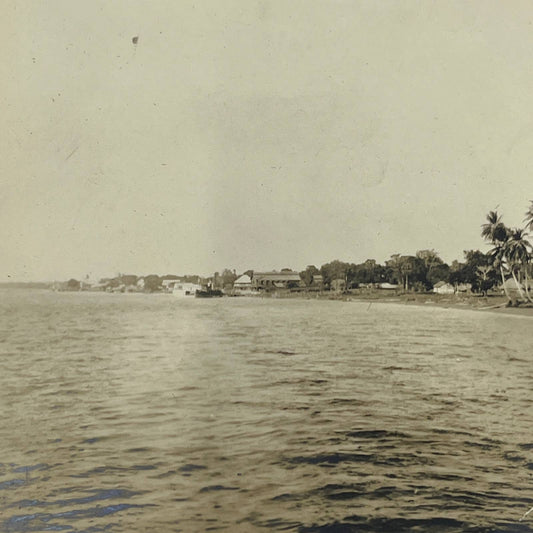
286 279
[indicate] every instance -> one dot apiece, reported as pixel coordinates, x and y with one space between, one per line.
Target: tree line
511 254
509 258
419 272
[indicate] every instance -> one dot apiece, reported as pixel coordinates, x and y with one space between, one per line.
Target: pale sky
257 134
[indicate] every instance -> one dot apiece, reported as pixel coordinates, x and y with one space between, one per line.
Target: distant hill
24 285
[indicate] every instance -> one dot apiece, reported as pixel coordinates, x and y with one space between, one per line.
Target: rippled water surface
127 413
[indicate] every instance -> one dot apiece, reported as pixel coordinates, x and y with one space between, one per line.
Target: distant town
422 272
506 268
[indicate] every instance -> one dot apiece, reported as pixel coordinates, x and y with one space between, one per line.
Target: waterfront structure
286 279
443 288
181 289
169 284
317 281
243 282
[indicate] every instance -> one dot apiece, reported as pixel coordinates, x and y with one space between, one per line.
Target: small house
169 284
442 287
243 282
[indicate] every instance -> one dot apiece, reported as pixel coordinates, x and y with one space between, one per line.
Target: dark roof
277 276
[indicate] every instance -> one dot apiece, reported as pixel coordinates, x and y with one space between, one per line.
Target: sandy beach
491 304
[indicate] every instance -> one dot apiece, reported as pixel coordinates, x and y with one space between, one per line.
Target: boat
208 293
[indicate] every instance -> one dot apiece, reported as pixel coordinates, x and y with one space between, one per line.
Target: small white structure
243 286
388 286
169 284
512 288
185 289
243 282
443 288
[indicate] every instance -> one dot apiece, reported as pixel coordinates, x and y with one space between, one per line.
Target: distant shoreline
491 304
25 285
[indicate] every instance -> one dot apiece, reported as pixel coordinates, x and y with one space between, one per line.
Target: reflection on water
149 413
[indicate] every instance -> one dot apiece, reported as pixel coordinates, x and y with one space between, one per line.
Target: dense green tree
308 274
486 278
368 272
335 270
429 257
394 269
73 284
474 259
407 270
435 269
152 283
458 273
438 272
227 278
128 279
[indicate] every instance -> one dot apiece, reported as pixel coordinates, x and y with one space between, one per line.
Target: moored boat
209 293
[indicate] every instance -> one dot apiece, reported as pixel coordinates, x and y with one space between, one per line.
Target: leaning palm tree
495 232
517 252
529 217
497 260
529 226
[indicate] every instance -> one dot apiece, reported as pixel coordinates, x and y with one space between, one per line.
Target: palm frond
529 216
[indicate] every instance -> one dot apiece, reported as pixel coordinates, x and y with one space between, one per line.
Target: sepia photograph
266 266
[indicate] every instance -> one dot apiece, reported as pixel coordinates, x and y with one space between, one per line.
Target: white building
181 289
443 288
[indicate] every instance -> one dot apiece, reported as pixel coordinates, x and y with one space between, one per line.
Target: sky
257 134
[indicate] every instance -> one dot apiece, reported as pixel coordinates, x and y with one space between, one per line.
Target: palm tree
494 229
529 217
495 232
529 226
517 252
497 259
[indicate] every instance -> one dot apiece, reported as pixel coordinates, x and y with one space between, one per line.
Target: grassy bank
493 302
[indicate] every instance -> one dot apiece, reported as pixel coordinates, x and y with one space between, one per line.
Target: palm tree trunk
527 285
503 284
518 286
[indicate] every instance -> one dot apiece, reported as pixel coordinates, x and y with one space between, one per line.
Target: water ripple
144 413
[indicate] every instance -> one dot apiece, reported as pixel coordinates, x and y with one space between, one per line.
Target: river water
126 413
